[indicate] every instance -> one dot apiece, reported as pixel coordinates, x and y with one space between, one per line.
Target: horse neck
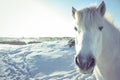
110 57
111 39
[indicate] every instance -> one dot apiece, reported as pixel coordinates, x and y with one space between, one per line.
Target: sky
45 18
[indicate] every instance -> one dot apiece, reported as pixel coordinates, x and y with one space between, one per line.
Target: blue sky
111 6
37 18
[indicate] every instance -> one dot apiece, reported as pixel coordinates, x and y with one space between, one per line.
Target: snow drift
48 60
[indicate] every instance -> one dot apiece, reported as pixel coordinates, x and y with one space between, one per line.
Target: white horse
97 43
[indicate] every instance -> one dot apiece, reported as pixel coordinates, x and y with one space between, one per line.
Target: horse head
88 23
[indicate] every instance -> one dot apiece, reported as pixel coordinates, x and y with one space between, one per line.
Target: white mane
109 17
90 14
87 16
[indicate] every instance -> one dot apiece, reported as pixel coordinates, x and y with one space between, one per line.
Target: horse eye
75 28
100 28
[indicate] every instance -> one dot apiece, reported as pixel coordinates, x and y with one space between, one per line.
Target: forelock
88 16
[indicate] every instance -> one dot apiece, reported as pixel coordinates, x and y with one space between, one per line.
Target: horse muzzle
85 64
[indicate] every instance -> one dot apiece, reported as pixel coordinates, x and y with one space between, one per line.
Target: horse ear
73 12
101 9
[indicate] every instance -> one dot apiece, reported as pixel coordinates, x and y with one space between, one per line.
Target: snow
49 60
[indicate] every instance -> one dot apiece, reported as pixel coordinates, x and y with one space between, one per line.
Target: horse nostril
91 63
77 61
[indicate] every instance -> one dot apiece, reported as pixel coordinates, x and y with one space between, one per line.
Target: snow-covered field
48 60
